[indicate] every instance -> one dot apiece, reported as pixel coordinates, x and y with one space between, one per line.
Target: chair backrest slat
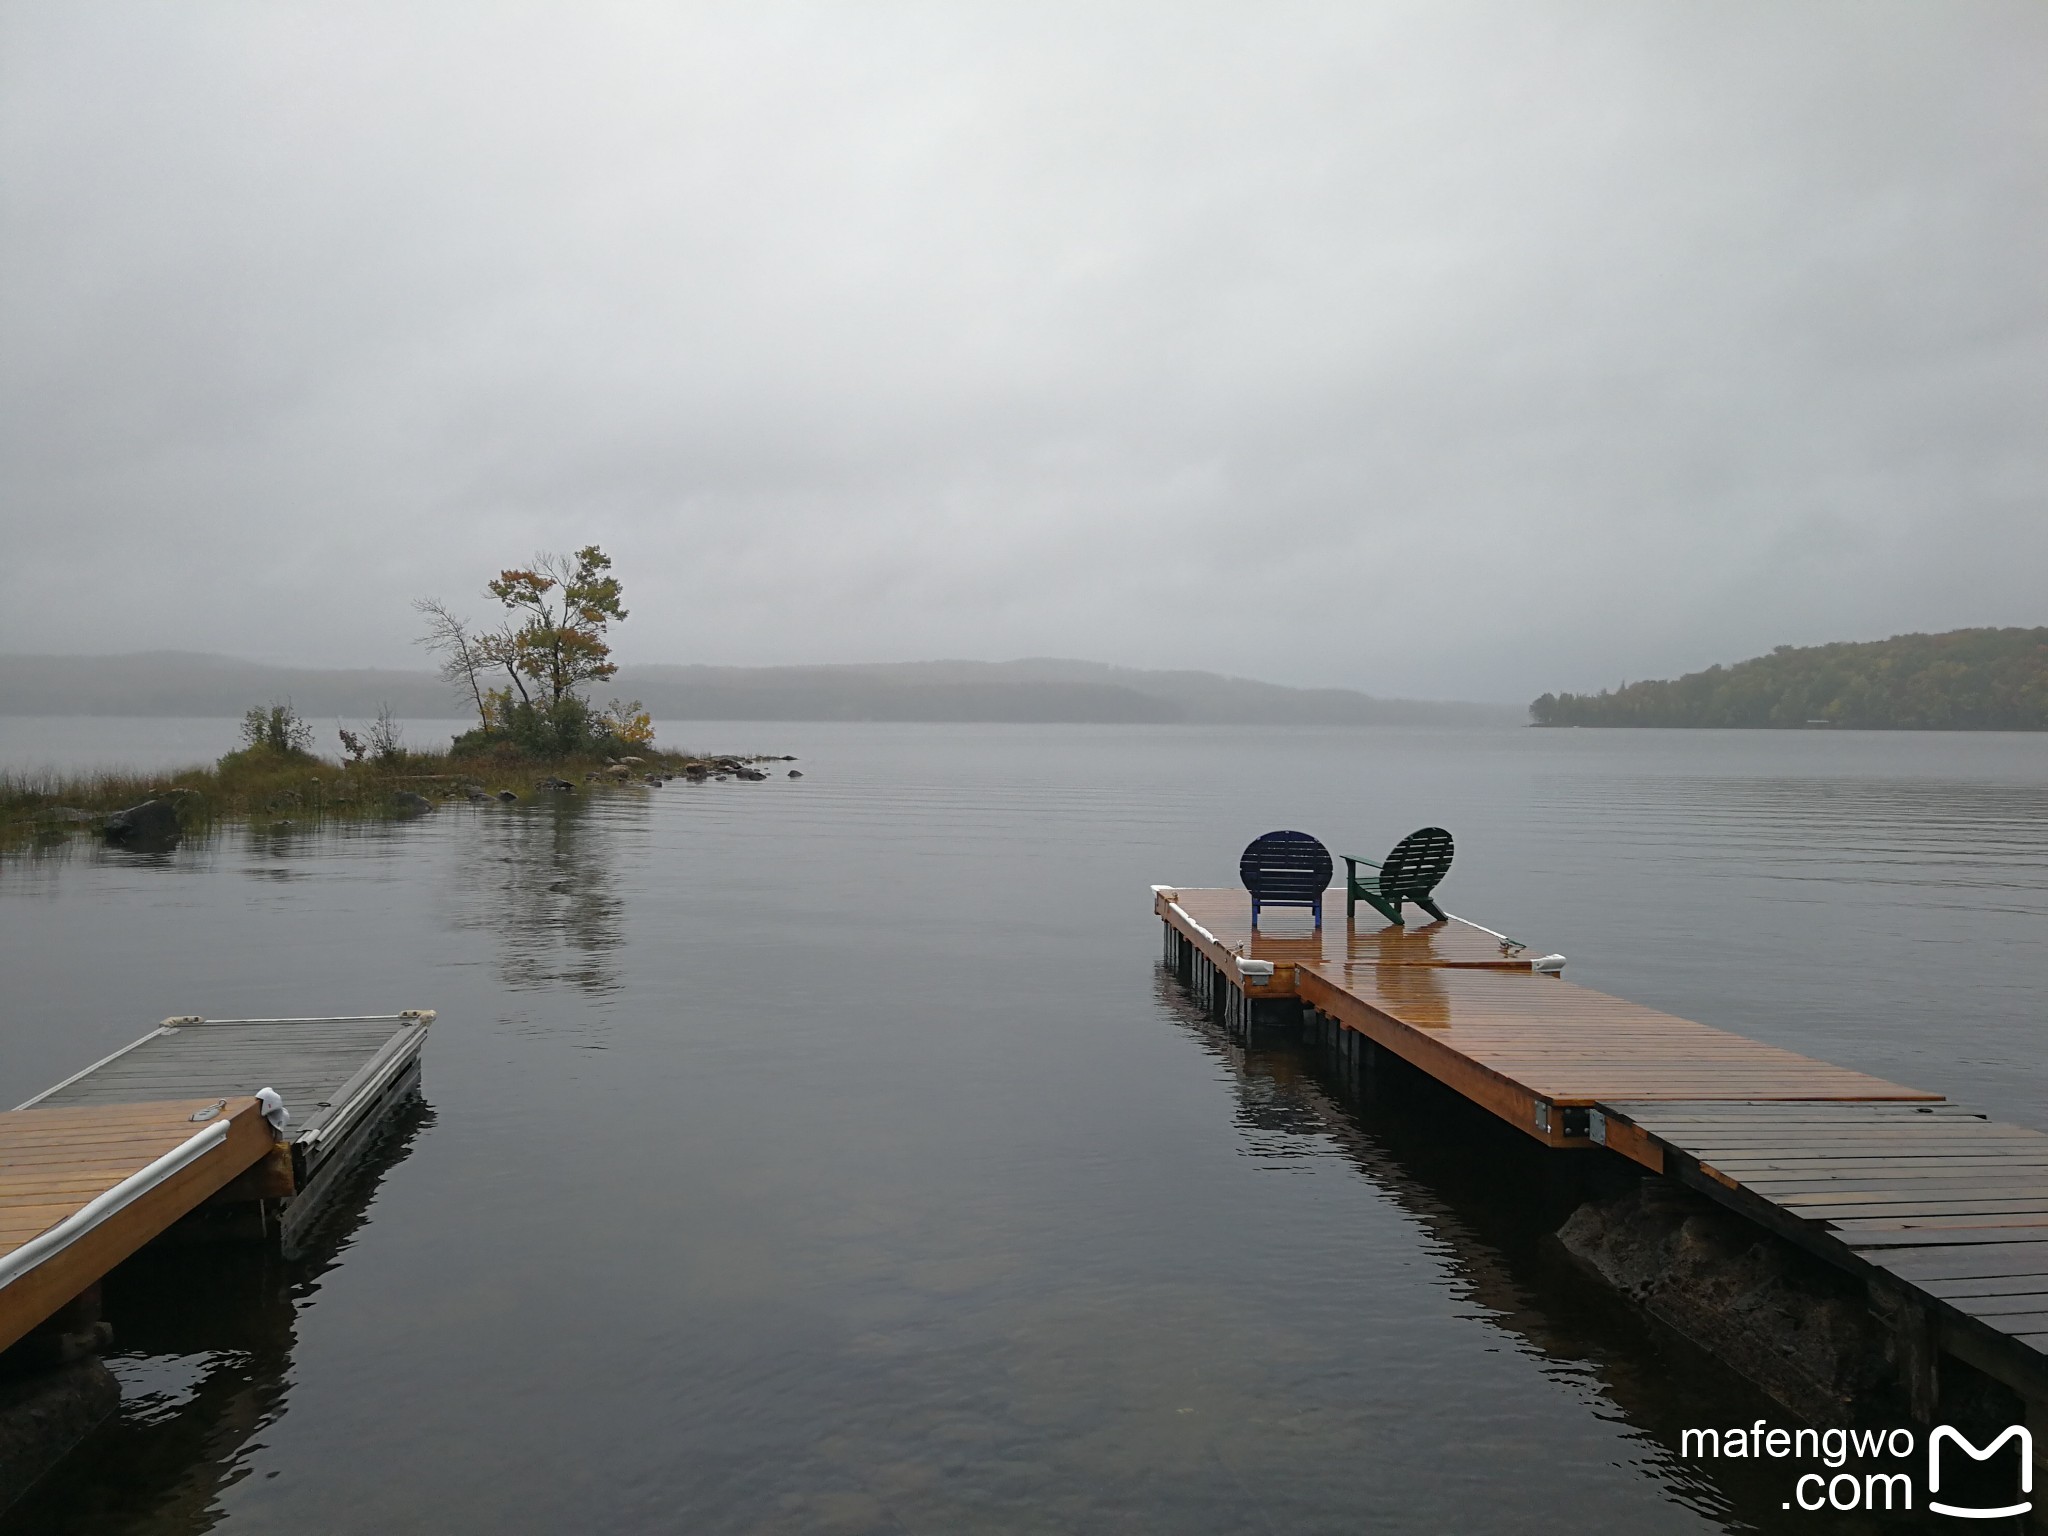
1418 863
1286 869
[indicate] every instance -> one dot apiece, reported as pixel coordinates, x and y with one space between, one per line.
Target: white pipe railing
1548 965
1189 916
409 1015
119 1198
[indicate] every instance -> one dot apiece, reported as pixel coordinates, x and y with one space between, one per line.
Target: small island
1964 680
537 733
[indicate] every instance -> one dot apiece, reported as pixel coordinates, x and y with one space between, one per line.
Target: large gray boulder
406 803
1793 1325
151 821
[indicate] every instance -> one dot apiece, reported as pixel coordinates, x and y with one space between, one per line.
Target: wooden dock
1941 1212
222 1126
82 1189
338 1077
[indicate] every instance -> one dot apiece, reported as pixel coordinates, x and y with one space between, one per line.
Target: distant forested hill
1966 680
1019 692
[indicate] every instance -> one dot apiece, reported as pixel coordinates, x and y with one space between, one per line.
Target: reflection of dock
1941 1213
1483 1206
217 1128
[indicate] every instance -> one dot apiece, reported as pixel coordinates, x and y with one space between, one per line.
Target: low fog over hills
186 683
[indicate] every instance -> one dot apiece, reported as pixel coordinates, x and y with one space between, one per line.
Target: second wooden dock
1941 1212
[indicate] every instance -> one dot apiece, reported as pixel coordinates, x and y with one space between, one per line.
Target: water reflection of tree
543 879
205 1334
1488 1201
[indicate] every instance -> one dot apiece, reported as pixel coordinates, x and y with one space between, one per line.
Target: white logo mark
1966 1512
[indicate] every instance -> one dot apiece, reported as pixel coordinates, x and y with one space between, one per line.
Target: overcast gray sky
1434 349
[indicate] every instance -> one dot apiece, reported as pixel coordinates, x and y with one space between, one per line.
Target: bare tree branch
449 637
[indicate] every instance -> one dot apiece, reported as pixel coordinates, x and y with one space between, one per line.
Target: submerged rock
1797 1327
44 1414
507 796
795 773
150 820
406 803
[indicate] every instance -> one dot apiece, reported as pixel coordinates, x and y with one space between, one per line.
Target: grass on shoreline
259 785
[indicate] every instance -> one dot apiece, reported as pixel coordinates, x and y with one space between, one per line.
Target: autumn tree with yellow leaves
550 646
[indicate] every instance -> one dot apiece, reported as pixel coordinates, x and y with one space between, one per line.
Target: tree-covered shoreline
1964 680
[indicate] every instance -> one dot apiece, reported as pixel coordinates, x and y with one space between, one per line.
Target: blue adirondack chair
1412 872
1286 869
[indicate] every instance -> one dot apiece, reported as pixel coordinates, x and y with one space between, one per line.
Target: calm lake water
829 1155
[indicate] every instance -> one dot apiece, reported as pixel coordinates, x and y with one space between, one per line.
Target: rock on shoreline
151 820
1798 1328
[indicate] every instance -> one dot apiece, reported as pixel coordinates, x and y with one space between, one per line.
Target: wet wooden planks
1528 1046
1450 999
55 1162
1287 938
1943 1201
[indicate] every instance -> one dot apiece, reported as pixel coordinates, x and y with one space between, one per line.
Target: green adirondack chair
1411 872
